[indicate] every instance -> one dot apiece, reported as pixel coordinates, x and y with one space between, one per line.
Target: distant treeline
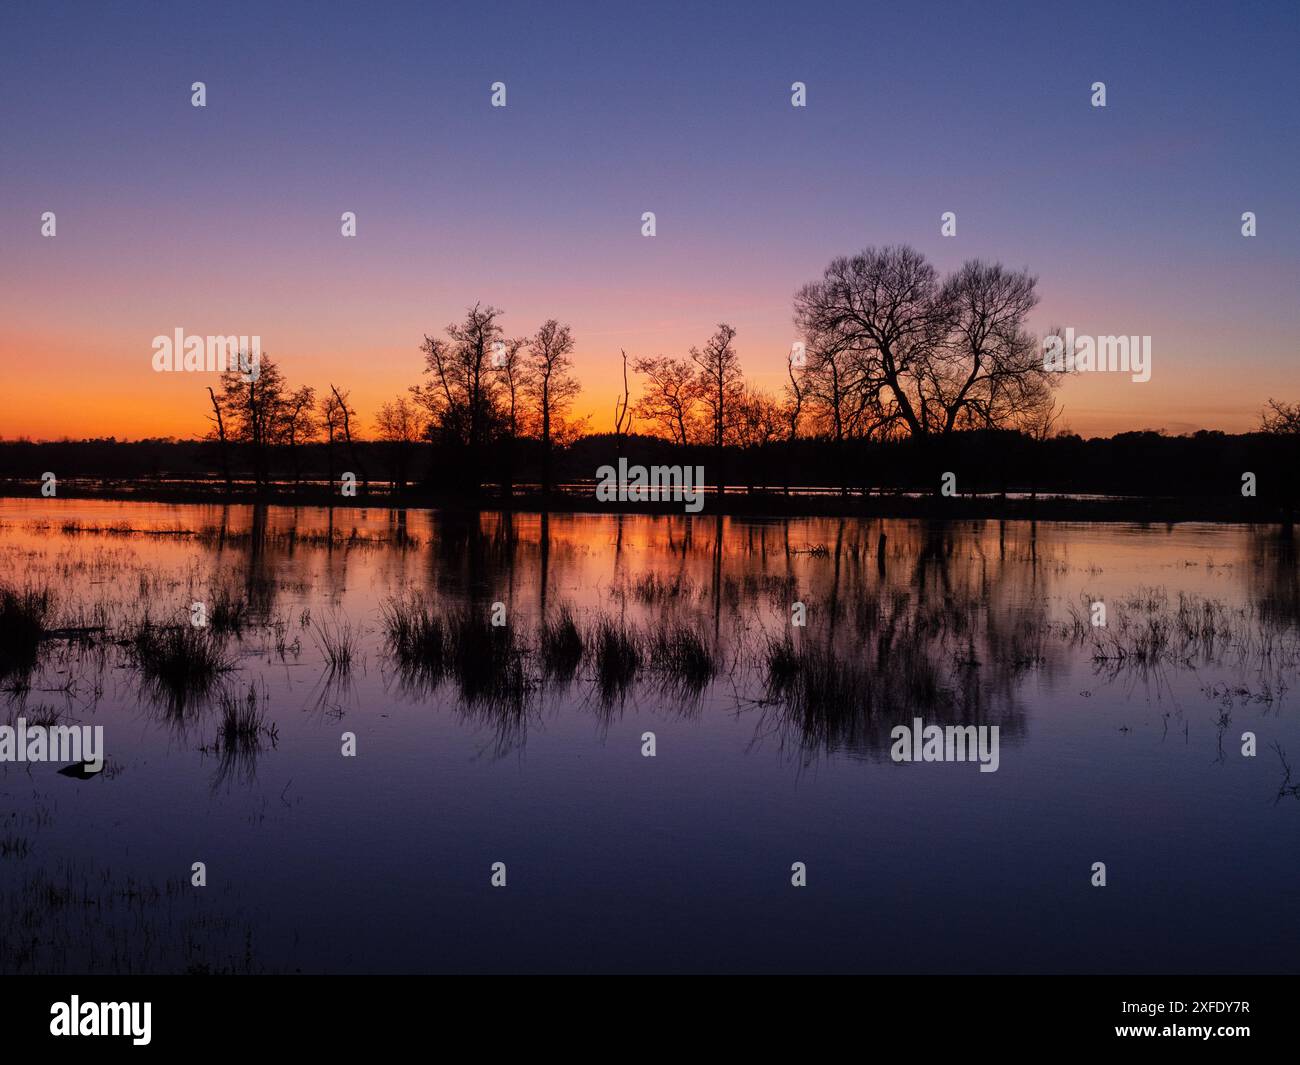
902 381
1147 464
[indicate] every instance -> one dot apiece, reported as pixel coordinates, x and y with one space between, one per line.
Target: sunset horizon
226 218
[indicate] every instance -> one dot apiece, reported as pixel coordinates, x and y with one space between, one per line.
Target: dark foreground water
1120 745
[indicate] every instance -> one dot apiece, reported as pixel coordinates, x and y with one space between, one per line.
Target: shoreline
737 503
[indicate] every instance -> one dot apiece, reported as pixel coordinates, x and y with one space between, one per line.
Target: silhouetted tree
1282 421
892 347
792 401
669 397
1280 418
759 420
252 405
509 360
345 413
297 425
461 395
720 383
878 319
552 386
331 419
720 386
218 433
401 424
989 372
622 412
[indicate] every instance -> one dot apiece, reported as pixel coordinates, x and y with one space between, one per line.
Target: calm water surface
1121 746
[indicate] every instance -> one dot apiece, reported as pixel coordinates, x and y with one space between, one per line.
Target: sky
225 219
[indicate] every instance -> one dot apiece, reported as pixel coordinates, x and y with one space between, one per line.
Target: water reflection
828 631
771 658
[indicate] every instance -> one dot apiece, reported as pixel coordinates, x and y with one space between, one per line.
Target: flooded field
374 708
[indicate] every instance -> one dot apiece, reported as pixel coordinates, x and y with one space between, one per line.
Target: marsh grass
814 683
846 691
682 657
24 622
560 646
242 720
415 637
616 650
339 642
229 613
1147 632
182 660
487 662
243 733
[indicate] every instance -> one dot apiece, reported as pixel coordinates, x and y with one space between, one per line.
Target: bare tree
552 386
510 362
401 425
759 420
461 395
720 383
792 401
252 407
346 413
720 386
218 432
1280 418
990 372
297 425
840 395
331 420
1043 424
622 413
892 348
878 318
669 397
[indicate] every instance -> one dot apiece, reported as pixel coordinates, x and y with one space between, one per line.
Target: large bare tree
989 373
892 348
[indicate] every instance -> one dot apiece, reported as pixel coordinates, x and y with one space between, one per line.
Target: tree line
889 352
